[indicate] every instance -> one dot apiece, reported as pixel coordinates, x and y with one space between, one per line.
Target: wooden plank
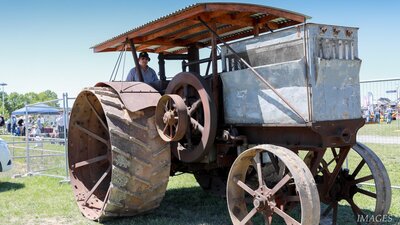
220 31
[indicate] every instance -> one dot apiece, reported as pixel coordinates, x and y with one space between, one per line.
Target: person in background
13 124
389 115
377 115
149 75
40 122
2 121
60 125
21 127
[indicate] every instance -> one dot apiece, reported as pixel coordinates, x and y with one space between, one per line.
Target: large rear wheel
119 166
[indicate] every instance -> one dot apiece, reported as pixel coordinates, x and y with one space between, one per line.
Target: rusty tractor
266 119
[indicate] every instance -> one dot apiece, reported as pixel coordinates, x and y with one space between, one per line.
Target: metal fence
380 108
39 146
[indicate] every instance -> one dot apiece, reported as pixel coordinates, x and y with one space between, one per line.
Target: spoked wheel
119 166
171 118
293 197
202 114
366 202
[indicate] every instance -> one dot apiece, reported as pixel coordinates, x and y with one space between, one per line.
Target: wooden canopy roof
173 33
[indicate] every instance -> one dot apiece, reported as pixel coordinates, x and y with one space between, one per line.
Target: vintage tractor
266 118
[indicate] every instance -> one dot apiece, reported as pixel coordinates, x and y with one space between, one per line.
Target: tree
14 101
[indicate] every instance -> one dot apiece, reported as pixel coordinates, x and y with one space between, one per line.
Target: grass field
381 129
44 200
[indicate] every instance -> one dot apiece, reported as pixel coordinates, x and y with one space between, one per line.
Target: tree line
14 100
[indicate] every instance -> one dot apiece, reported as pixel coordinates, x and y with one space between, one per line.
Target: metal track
119 166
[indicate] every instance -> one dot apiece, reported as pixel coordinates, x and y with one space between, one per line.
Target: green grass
381 129
43 200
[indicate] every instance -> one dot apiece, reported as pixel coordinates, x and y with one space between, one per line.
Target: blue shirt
148 76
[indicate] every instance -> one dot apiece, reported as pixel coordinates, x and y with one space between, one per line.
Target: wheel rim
295 187
365 167
171 118
202 124
90 164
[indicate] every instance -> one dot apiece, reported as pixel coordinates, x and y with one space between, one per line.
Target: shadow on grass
9 186
192 206
183 206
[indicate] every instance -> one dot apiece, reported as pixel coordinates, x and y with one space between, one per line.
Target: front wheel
257 194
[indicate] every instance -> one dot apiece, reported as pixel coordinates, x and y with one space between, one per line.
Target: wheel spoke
92 134
96 113
197 125
288 219
356 210
248 216
171 131
274 161
194 106
259 173
365 192
280 184
362 179
334 153
90 161
330 162
359 167
90 193
166 107
165 129
267 218
244 187
334 213
185 92
169 105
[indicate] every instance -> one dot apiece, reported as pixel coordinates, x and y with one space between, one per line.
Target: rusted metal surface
280 181
105 143
134 95
337 183
316 135
182 28
171 118
200 133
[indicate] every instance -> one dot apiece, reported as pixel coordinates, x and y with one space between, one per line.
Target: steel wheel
119 166
364 167
171 118
201 130
271 198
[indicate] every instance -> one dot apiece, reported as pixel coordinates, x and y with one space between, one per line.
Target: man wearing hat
149 75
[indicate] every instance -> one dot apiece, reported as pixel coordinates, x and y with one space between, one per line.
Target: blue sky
45 44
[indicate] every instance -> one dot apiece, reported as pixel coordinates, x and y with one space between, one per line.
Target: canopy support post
135 59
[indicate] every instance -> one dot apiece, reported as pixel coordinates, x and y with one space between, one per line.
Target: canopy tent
36 109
